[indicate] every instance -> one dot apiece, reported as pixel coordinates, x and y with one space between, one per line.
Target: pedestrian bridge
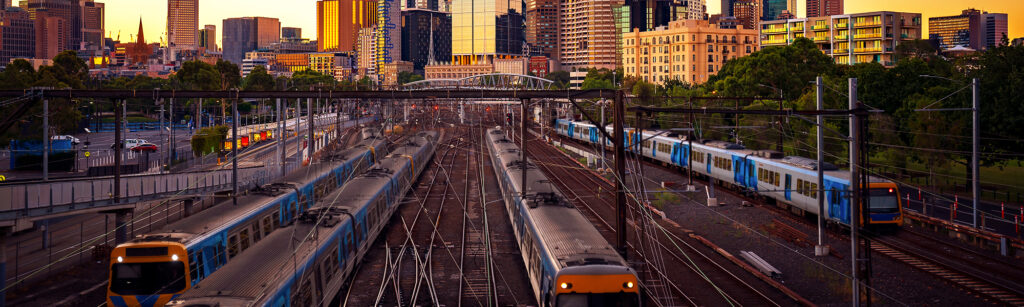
483 82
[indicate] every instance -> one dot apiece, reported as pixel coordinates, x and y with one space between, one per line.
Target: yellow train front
147 274
596 285
885 207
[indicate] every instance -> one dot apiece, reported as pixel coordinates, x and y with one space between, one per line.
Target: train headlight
566 285
120 259
174 257
628 285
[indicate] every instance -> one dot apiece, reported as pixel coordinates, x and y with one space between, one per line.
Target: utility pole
975 174
821 250
619 110
118 146
604 140
174 150
162 131
522 145
234 152
855 199
309 133
46 140
281 137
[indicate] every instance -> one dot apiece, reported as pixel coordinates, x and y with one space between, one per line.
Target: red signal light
435 108
890 190
413 107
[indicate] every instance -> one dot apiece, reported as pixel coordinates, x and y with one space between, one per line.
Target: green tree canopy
258 80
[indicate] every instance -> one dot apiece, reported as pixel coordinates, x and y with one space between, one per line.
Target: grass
997 183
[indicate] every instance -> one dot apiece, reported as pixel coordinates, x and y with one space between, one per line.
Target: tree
309 78
19 74
560 78
258 80
408 77
646 93
788 68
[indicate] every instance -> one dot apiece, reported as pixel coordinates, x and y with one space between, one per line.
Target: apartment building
687 50
850 38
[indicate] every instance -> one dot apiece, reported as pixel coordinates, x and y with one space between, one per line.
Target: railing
842 37
823 27
838 51
773 41
867 35
842 25
859 50
774 30
820 38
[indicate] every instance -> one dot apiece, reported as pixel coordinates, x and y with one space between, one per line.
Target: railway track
437 249
979 272
662 265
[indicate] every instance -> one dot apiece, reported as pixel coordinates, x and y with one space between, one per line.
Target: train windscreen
598 300
883 200
148 278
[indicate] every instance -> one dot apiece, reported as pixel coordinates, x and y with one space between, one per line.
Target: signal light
628 285
174 257
435 108
890 190
566 285
120 259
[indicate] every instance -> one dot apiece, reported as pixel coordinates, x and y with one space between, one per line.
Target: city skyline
123 15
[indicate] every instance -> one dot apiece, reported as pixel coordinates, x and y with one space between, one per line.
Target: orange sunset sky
123 15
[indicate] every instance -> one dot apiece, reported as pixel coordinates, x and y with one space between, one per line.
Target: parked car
74 140
130 143
145 147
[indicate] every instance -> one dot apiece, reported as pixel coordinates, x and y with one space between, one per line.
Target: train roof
568 236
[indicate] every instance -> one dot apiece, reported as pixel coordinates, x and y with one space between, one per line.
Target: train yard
451 241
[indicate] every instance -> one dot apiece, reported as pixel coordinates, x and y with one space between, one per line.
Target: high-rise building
727 8
244 34
960 30
208 37
747 13
772 9
290 33
68 10
869 37
994 28
687 50
183 23
389 35
426 37
587 38
542 24
366 45
93 20
338 22
973 29
819 8
478 40
51 34
17 35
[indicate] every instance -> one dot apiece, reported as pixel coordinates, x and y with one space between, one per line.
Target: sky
123 15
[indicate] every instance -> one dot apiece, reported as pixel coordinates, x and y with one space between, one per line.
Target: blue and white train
567 260
792 180
154 269
306 263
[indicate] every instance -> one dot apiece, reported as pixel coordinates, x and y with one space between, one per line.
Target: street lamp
778 146
976 137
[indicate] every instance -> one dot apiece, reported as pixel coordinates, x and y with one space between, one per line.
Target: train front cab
596 285
147 274
885 205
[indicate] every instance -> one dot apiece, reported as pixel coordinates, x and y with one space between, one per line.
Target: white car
74 140
129 143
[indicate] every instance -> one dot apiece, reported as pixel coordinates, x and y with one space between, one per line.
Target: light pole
976 135
778 146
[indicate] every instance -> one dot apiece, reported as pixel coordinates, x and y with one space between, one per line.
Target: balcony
840 51
822 27
866 50
867 24
867 36
773 41
842 25
820 38
907 36
774 30
841 37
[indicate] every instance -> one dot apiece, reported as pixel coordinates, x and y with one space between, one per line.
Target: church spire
141 38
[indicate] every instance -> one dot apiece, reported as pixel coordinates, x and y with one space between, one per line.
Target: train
153 269
567 260
788 180
307 264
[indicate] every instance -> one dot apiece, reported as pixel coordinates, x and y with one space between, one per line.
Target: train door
739 170
708 164
593 135
789 184
837 202
752 174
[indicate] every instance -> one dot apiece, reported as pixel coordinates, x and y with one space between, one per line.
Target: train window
800 186
267 224
276 220
777 181
835 196
243 238
232 246
814 190
256 235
